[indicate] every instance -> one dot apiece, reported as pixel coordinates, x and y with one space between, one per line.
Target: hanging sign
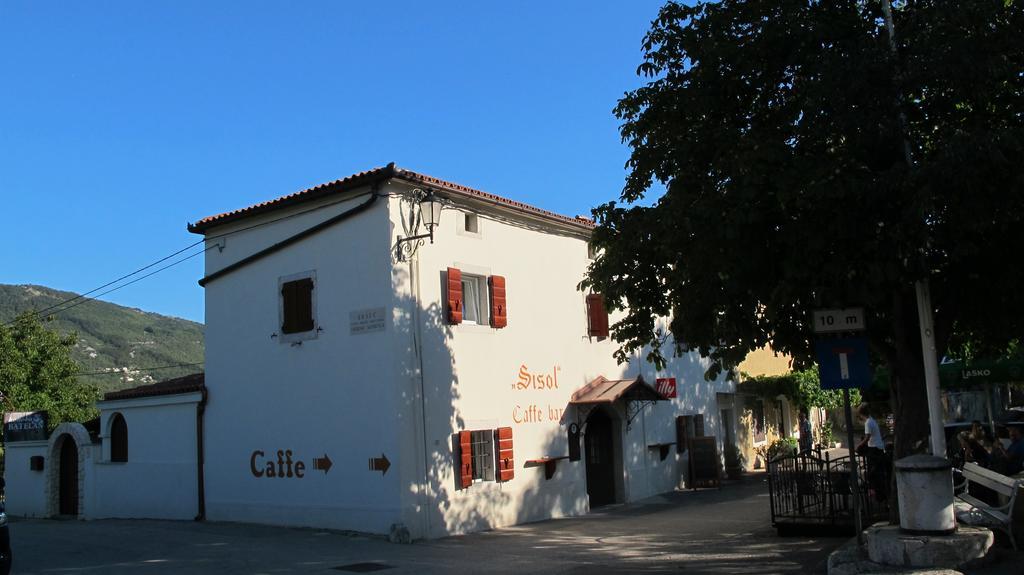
25 426
666 386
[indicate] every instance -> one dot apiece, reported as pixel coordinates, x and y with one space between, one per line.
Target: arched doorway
600 457
68 477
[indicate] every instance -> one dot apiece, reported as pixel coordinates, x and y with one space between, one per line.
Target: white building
330 348
416 389
139 459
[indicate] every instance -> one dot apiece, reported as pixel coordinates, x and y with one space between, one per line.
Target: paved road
708 531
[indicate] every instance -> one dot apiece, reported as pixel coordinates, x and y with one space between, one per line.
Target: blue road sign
843 362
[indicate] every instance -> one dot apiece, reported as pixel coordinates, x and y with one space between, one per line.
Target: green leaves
773 129
37 372
803 388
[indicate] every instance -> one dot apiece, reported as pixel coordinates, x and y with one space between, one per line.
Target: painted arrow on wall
323 463
380 464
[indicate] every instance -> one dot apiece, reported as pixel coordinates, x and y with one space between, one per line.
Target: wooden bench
1000 516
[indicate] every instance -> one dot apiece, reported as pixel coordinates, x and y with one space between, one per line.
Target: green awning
959 374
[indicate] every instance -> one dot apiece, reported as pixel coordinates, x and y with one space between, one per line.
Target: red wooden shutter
454 296
465 460
597 316
506 462
499 310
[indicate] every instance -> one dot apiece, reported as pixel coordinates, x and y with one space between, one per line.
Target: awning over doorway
603 390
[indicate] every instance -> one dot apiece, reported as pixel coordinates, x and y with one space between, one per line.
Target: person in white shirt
872 433
872 447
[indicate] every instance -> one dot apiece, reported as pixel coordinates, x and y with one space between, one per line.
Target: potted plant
827 436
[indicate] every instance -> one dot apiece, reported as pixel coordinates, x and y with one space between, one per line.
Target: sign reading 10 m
831 320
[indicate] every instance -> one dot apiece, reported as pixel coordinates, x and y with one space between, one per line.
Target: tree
802 387
37 372
771 136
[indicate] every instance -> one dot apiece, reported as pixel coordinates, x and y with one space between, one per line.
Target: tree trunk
909 396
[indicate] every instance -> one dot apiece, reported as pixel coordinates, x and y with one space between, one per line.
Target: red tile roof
186 384
376 175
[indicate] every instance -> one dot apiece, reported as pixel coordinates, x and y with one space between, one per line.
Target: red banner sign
666 386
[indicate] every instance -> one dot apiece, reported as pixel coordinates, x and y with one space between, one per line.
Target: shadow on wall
444 507
428 368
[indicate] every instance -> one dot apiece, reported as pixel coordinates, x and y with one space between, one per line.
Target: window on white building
118 438
472 224
474 299
297 306
482 443
483 455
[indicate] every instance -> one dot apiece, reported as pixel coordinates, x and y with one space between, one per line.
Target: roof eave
579 225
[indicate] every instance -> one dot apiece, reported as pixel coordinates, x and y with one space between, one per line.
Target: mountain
117 346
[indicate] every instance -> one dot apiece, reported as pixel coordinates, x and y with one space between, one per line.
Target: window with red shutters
464 459
499 308
506 460
454 296
597 316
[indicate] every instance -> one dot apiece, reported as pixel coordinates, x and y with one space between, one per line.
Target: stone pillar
925 485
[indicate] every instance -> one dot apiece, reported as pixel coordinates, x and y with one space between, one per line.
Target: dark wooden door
600 459
68 477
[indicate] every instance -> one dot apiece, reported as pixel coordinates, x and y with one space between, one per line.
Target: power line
163 259
140 369
142 269
138 279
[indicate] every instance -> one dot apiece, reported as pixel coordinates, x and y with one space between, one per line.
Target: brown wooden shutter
464 460
454 296
506 461
298 306
288 305
499 309
597 316
698 425
681 432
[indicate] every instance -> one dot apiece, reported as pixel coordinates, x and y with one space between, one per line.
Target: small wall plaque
366 320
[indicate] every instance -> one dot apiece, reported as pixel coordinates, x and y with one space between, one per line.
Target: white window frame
302 335
475 295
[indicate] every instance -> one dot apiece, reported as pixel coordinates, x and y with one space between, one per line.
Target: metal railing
813 489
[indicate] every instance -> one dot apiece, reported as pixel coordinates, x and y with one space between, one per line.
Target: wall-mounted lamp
430 214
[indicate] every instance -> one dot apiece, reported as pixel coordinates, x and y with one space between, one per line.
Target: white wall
336 395
26 491
471 371
159 480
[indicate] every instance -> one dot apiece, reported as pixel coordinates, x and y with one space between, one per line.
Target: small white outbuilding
139 459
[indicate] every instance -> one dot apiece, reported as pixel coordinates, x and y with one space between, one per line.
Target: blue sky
120 122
